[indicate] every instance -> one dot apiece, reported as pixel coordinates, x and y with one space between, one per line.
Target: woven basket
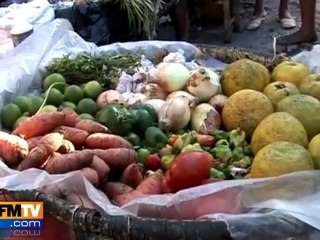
90 222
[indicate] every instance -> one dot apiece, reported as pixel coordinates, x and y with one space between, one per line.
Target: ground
260 41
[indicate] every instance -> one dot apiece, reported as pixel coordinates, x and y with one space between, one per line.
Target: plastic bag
310 58
271 208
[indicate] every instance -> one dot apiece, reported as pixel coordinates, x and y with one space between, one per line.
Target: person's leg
307 32
285 17
259 9
180 19
258 16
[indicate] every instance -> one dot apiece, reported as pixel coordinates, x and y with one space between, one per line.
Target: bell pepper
142 120
237 137
220 134
183 140
155 138
238 153
222 151
214 173
166 161
192 147
152 112
134 139
205 140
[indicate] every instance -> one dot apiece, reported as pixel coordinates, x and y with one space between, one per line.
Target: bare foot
285 14
297 38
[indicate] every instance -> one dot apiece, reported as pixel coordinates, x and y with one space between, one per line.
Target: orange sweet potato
101 168
91 126
34 141
71 117
132 176
106 141
117 157
91 175
113 189
66 147
77 136
13 149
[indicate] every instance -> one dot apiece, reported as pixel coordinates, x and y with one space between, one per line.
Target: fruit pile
171 127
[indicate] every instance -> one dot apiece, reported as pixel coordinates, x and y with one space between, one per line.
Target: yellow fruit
9 115
52 79
314 149
22 102
87 105
48 108
305 108
278 126
246 109
279 158
311 85
290 71
35 103
244 74
73 93
92 89
276 91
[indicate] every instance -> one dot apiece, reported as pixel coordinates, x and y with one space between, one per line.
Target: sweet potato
113 189
101 168
132 175
77 136
91 126
117 157
66 147
91 175
149 186
13 149
33 142
40 124
106 141
71 117
38 155
69 162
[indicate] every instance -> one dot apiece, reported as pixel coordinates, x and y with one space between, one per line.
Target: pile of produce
168 125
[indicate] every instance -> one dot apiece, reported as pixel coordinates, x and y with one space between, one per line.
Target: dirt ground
260 41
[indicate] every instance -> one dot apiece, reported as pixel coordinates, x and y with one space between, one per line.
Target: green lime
68 105
54 78
55 97
86 116
22 103
19 120
26 114
87 105
48 108
73 93
34 104
92 89
9 115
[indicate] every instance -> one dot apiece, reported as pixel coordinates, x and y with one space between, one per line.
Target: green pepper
237 153
166 161
237 137
220 134
247 150
182 141
142 120
152 112
222 142
155 138
143 154
134 139
192 147
117 118
214 173
221 151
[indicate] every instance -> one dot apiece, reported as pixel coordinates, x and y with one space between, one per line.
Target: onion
204 84
171 76
153 91
218 102
174 114
205 119
109 97
136 98
156 104
193 101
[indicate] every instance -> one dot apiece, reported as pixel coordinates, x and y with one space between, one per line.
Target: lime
55 97
86 116
54 78
48 108
34 104
92 89
22 103
9 115
87 105
19 120
68 105
26 114
73 93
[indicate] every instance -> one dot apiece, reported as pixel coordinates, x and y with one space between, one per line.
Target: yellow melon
314 149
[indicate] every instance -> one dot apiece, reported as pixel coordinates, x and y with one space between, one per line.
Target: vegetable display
138 128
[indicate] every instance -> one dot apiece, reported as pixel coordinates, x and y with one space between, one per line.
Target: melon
305 108
244 74
245 109
276 91
314 149
280 158
278 126
311 86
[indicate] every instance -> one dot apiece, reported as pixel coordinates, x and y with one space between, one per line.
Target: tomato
190 169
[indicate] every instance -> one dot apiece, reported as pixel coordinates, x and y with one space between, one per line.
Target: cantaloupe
314 149
280 158
246 109
278 126
305 108
244 74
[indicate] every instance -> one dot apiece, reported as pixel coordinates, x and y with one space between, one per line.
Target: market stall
149 140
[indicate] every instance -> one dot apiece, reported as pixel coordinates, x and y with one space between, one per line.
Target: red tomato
190 169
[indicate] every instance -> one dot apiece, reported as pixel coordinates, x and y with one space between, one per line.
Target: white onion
204 84
136 98
174 114
109 97
193 101
153 91
205 119
156 104
218 102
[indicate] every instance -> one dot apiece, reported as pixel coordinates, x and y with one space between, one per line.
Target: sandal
255 23
287 23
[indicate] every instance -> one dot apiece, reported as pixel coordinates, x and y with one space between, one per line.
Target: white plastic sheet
271 208
310 58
